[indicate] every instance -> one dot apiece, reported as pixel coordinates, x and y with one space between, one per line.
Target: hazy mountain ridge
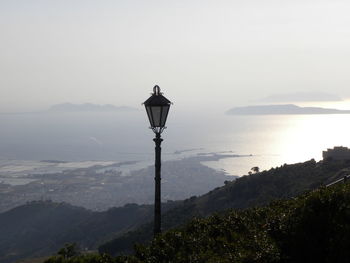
70 107
286 109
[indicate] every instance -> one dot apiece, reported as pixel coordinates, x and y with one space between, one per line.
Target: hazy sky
201 52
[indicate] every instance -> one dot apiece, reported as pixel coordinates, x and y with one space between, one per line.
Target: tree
255 169
69 250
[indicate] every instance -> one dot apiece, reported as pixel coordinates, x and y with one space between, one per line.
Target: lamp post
157 108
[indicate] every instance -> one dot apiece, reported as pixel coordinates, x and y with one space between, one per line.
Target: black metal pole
157 200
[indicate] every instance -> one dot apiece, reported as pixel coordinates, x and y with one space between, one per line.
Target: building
337 153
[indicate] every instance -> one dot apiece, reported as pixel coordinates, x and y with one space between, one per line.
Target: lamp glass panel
156 113
164 115
149 114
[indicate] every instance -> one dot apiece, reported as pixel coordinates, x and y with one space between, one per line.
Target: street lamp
157 108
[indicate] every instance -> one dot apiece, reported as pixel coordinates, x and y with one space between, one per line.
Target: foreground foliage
254 190
314 227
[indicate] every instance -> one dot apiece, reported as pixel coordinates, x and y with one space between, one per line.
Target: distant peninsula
286 109
70 107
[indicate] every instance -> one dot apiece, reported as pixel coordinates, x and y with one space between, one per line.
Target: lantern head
157 108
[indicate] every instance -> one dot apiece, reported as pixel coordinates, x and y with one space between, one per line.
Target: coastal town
101 187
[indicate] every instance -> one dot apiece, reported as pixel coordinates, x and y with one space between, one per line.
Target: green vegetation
257 189
313 227
40 228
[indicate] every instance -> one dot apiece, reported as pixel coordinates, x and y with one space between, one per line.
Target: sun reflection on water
307 136
278 139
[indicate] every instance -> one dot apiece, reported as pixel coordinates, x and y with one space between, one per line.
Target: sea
45 142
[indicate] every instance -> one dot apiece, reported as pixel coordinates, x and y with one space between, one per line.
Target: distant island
300 97
286 109
70 107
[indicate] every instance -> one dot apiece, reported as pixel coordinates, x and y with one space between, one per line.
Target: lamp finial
156 90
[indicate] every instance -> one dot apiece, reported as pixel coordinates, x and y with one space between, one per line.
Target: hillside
248 191
313 227
41 228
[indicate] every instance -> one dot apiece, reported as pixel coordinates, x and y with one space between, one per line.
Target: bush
314 227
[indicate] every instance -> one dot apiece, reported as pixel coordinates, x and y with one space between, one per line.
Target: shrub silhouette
314 227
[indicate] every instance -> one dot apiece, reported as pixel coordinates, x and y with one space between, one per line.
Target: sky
203 54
